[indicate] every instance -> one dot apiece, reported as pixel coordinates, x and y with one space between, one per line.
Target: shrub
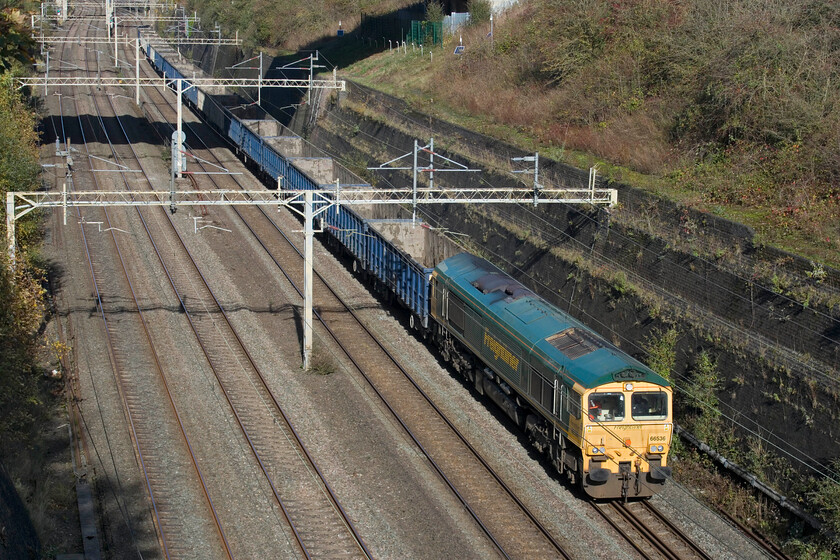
321 362
827 498
21 292
480 11
434 11
661 351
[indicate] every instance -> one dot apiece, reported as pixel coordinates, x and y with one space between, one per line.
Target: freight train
598 415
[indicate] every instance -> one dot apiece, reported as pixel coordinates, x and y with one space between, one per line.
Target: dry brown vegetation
287 25
732 104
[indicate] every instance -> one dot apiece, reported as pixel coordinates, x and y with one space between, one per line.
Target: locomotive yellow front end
626 438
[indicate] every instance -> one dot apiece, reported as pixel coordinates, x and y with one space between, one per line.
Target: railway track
173 479
87 458
480 490
315 517
311 510
505 520
648 531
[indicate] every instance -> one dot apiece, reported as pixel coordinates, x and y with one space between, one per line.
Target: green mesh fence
426 33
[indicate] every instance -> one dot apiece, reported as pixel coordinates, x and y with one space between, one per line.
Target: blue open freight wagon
375 254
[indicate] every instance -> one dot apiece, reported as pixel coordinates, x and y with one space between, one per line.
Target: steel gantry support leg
10 227
414 188
116 45
307 280
431 163
137 71
180 146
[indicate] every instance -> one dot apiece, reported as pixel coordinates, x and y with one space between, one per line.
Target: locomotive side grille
574 343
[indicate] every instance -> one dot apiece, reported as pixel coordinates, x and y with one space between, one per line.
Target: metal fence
426 33
454 21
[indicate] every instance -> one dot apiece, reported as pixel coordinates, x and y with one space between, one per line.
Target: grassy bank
728 108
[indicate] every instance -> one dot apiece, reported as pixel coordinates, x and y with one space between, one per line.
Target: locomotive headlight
628 386
598 450
657 448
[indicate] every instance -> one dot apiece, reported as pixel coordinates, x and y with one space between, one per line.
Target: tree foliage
288 24
21 313
826 498
15 43
661 349
434 11
21 292
480 11
19 167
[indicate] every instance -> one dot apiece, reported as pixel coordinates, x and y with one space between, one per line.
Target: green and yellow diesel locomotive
601 417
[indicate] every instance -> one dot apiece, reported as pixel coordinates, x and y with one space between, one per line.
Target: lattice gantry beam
108 81
513 195
105 40
18 204
28 201
173 19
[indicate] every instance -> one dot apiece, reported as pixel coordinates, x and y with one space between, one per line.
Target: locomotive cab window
649 406
606 407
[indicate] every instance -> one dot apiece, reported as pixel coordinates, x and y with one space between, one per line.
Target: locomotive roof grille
495 282
574 343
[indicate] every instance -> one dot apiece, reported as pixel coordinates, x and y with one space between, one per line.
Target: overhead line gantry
308 203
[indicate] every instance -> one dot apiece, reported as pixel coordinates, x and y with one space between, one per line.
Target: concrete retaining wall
772 352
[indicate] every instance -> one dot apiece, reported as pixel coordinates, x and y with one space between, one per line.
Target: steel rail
646 532
650 535
113 361
675 530
159 368
502 484
601 509
333 498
